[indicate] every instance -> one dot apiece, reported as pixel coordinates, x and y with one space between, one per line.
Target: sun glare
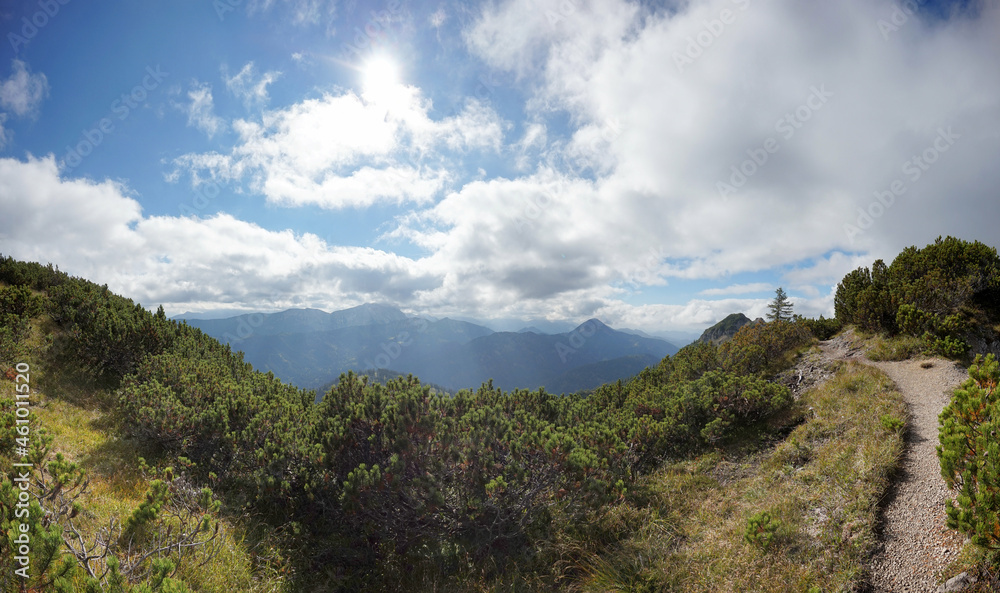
380 75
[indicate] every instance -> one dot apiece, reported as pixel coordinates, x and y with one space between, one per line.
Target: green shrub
693 361
969 452
924 292
760 530
381 476
30 274
822 328
109 334
948 346
17 306
864 298
762 347
891 423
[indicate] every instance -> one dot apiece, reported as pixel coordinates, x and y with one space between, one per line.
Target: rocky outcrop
959 583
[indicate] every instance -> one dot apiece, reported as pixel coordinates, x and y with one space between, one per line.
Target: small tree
780 309
969 454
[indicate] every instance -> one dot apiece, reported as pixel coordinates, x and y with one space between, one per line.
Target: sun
379 76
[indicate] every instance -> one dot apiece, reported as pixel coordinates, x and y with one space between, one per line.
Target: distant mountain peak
725 329
593 324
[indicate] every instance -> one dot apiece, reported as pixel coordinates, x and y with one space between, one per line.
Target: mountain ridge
311 348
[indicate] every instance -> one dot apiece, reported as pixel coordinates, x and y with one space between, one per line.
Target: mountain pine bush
934 293
760 347
970 454
375 476
17 306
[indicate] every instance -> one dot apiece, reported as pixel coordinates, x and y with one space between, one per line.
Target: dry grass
822 484
69 409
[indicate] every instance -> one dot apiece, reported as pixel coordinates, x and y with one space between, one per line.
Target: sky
655 165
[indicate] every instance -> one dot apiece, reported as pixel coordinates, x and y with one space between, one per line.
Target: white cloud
737 289
248 87
327 151
630 193
4 134
695 315
97 230
831 269
223 262
659 139
201 110
438 17
23 91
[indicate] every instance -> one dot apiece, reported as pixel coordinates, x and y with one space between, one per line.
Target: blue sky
654 165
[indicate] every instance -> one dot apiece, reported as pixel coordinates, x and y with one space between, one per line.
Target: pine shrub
970 454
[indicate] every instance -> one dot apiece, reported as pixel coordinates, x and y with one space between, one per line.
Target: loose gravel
916 545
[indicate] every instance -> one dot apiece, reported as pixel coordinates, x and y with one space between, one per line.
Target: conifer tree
780 309
968 453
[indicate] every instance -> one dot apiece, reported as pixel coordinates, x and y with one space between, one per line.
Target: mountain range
311 348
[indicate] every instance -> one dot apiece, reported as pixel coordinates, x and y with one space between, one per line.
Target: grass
71 409
818 471
821 485
879 347
900 347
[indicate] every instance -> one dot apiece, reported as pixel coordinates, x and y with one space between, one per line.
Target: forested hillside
388 487
376 478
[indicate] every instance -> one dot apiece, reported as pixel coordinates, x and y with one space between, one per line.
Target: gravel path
916 545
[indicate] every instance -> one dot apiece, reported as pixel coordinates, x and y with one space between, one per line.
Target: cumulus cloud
800 139
97 230
22 92
348 150
808 112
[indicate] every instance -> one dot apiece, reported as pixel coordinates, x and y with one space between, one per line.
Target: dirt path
916 546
